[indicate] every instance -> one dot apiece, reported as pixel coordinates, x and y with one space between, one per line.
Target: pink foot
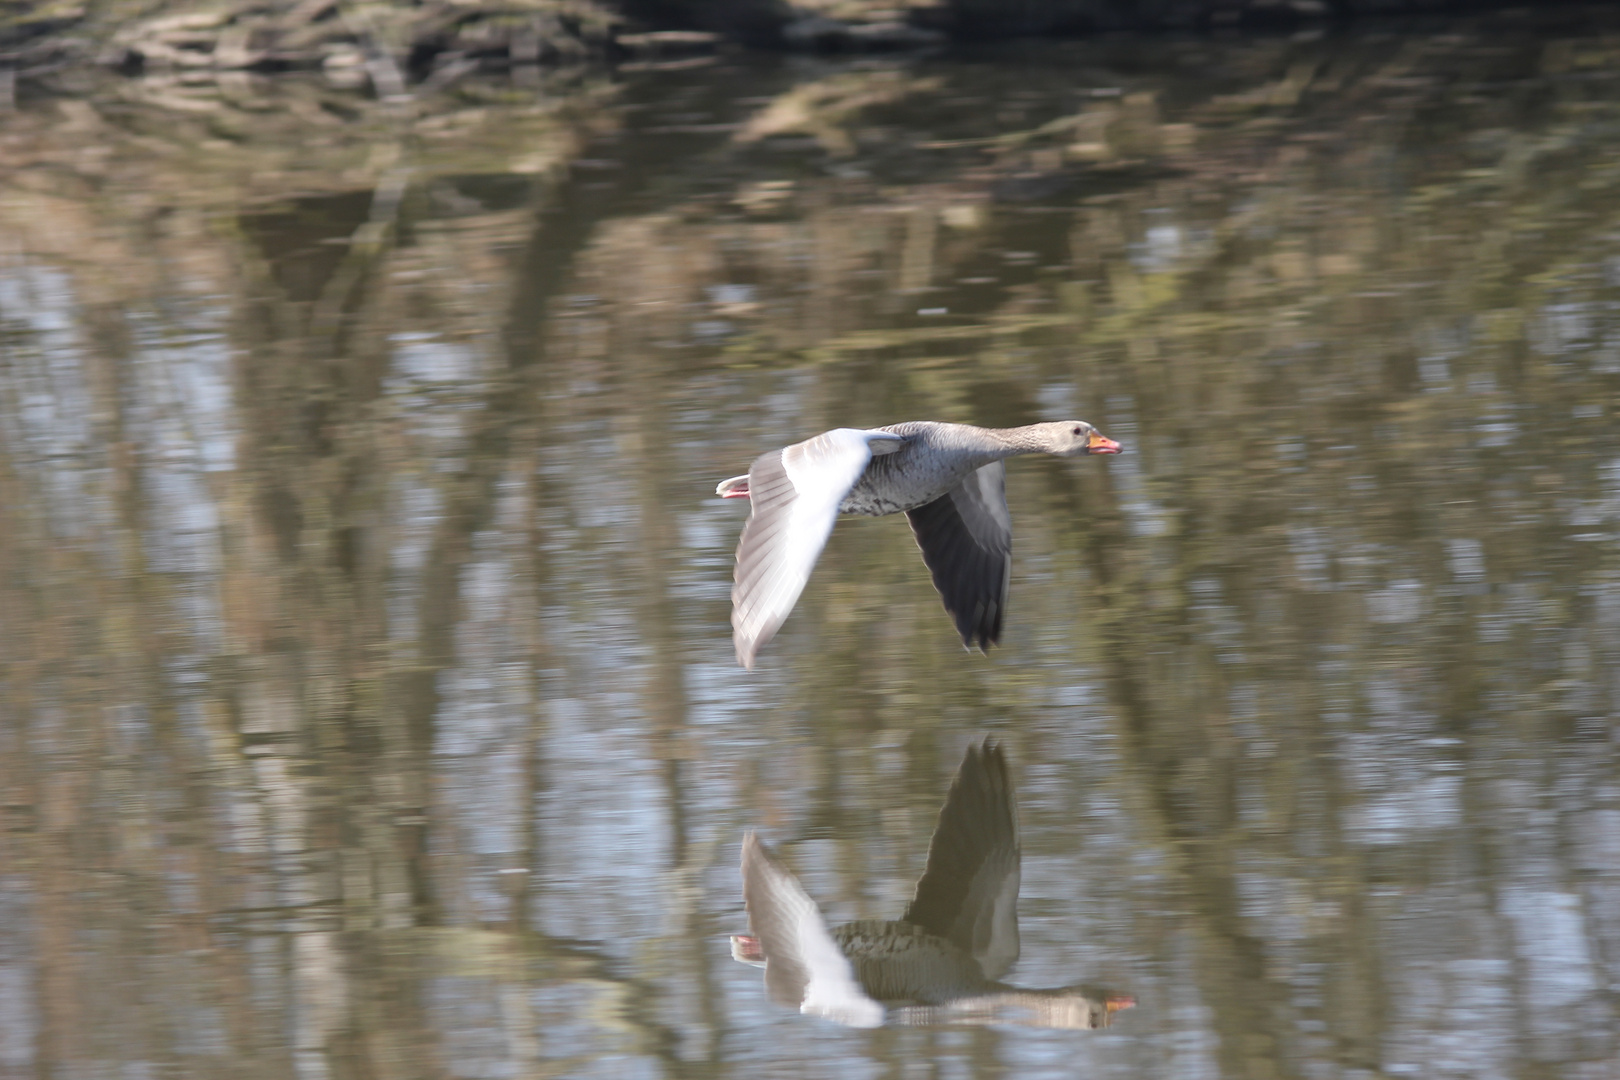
746 947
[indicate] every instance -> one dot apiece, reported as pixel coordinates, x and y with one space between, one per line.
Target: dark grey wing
968 893
804 967
966 540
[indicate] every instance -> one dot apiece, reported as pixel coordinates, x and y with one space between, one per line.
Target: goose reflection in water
940 962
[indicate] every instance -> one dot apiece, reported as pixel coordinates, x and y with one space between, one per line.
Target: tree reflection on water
369 704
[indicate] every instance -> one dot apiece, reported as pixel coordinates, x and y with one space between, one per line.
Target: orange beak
1099 444
1116 1002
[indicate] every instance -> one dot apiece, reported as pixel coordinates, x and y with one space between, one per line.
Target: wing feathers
965 537
794 493
804 967
968 893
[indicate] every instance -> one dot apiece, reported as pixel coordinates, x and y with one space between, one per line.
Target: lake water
368 706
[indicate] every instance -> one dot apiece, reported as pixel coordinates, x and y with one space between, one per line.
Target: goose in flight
940 962
947 478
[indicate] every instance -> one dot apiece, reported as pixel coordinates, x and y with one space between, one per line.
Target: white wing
795 494
803 965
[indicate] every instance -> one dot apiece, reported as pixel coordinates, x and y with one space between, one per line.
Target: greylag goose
940 962
947 478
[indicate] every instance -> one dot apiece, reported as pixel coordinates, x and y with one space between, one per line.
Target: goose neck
1061 1007
1014 441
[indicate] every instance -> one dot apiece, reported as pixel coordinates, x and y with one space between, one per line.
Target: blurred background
367 700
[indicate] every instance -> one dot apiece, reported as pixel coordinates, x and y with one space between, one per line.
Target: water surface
369 708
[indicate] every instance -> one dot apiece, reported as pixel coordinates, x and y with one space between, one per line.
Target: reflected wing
795 494
966 540
803 965
968 893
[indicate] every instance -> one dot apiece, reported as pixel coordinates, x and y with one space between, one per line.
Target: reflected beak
1100 444
1116 1002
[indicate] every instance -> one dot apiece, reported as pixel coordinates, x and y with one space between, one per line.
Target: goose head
1075 438
1088 1008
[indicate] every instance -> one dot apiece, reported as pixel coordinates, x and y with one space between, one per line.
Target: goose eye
1079 431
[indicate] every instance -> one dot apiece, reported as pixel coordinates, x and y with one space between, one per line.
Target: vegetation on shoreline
391 45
